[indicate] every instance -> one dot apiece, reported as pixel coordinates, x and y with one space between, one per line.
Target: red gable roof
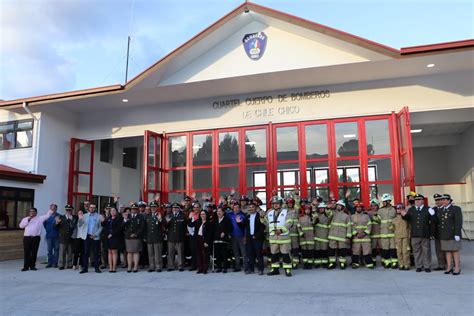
10 173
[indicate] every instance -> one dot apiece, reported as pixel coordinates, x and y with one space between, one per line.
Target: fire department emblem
255 44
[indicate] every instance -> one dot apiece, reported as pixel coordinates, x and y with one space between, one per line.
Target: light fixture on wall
430 65
415 131
350 136
124 100
250 143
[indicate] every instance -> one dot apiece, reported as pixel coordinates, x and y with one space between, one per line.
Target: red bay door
153 167
81 167
405 153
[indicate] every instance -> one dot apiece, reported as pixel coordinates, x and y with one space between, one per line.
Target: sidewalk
308 292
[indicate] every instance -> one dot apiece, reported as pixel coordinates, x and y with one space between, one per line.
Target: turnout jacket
387 214
278 220
340 227
306 230
401 227
322 224
361 223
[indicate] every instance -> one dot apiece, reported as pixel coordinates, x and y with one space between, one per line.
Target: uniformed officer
322 220
339 233
420 216
361 243
143 209
402 239
375 233
440 255
176 229
449 220
154 231
387 213
279 224
306 232
65 225
134 226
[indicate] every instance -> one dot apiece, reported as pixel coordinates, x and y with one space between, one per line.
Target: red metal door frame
157 166
74 171
403 127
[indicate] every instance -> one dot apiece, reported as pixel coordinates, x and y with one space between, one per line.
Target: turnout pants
403 251
422 252
389 252
280 248
339 248
30 248
155 259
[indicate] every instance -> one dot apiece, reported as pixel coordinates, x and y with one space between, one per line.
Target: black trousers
254 251
94 245
30 247
221 252
77 250
193 248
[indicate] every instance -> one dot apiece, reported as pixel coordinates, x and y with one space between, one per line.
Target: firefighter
306 233
387 214
279 224
293 213
402 239
322 219
361 245
339 233
375 234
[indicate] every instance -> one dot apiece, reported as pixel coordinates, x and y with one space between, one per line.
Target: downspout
35 137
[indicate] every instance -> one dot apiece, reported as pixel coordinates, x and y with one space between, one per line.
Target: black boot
274 271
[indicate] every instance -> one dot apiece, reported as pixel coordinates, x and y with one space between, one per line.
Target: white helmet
341 202
386 197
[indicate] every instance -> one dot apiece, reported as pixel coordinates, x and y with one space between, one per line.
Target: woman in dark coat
203 236
113 226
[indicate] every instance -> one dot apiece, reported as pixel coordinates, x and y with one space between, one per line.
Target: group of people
239 233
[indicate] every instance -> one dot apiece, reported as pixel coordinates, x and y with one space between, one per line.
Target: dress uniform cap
166 205
134 205
341 202
304 200
153 204
243 198
399 206
68 207
109 205
419 197
386 197
446 197
188 198
141 204
437 196
322 205
175 205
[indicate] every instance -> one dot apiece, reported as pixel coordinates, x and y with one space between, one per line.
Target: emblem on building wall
254 45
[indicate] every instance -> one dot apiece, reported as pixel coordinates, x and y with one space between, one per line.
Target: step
11 254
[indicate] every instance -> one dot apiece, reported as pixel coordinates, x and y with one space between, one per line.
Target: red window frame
74 171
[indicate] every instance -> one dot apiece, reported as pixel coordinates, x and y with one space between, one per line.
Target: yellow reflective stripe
360 227
284 230
323 226
336 238
340 224
275 265
361 240
367 232
307 242
385 221
280 241
348 235
287 266
387 235
294 234
320 239
307 228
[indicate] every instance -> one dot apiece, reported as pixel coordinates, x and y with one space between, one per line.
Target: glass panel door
81 166
153 171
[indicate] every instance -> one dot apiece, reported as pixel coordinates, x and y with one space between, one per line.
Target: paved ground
349 292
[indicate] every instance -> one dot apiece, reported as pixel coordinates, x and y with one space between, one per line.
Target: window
106 150
14 205
130 157
16 134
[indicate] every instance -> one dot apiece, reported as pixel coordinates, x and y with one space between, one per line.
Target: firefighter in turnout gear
293 212
387 214
339 233
322 219
375 234
279 224
361 245
306 232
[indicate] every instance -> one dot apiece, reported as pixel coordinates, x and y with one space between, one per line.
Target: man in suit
255 234
420 216
176 225
89 228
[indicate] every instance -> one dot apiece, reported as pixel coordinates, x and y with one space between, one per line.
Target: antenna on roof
129 39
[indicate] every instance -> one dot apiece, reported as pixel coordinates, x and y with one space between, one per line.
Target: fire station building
259 101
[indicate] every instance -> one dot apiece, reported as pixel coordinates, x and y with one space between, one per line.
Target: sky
51 46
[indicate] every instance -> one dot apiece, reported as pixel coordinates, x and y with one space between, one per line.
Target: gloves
457 238
431 211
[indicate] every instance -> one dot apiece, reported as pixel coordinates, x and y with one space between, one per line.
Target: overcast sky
49 46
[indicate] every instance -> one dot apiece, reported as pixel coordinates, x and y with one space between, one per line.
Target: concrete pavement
308 292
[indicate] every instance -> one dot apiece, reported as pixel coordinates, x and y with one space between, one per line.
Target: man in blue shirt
52 236
238 220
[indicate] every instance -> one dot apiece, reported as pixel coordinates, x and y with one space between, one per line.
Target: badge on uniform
254 45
